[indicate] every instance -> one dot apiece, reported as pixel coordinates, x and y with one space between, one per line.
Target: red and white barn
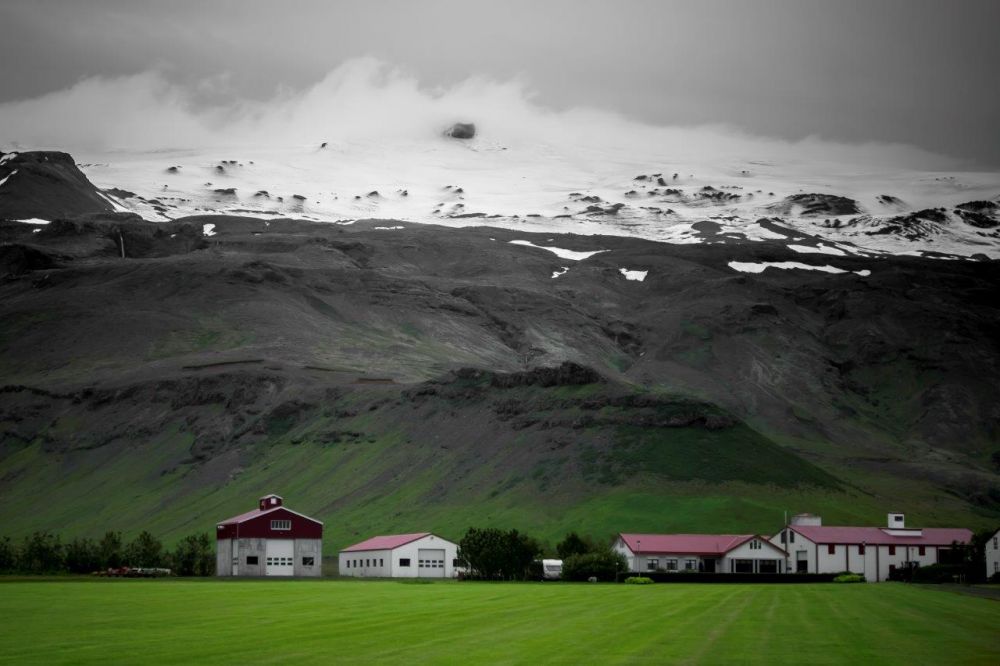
420 555
271 540
708 553
874 552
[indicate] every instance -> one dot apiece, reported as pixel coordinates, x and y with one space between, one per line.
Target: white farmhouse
874 552
992 549
709 553
421 555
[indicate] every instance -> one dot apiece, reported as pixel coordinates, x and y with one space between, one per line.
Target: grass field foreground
269 622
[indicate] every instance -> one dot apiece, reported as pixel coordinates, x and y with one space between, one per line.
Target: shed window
404 561
348 563
861 549
307 561
281 524
831 549
455 563
922 550
892 550
252 559
381 562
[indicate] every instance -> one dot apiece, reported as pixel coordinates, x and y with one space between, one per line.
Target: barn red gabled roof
882 536
688 544
257 513
386 542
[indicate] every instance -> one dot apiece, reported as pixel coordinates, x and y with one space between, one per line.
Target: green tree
8 555
144 551
194 556
41 553
82 556
110 550
573 544
494 554
604 565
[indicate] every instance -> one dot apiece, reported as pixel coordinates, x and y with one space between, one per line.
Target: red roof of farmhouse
876 536
256 513
386 542
686 544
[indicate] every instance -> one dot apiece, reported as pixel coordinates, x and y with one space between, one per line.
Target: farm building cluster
273 540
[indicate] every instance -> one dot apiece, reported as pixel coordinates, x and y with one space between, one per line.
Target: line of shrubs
493 554
46 553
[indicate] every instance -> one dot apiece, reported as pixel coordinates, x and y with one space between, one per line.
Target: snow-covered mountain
542 188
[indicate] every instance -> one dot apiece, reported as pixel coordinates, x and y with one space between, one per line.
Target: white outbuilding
992 549
874 552
420 555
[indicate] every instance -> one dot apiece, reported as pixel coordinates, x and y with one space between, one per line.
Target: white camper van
551 569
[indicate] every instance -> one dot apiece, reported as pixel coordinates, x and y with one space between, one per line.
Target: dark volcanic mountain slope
46 185
321 361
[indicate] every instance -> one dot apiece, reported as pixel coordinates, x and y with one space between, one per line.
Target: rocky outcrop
46 185
461 131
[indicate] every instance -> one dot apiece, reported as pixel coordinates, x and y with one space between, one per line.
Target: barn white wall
874 564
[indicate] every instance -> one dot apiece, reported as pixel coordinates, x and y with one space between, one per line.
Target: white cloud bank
367 99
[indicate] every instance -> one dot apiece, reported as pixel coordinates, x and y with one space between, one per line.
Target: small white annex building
421 555
874 552
707 553
992 549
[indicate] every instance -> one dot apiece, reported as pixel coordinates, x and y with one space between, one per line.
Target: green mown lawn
262 622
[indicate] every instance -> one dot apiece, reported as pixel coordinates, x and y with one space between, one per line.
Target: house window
861 549
831 549
368 563
348 563
281 524
743 566
404 561
996 567
922 550
994 543
671 565
652 563
307 561
691 565
892 550
252 560
455 563
784 536
791 536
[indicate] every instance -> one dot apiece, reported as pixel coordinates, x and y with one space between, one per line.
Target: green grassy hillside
396 382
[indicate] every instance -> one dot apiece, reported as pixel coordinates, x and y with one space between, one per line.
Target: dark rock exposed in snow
461 131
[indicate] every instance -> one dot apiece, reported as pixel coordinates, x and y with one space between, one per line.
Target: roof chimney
896 520
270 502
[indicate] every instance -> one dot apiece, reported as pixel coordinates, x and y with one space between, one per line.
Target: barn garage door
280 557
430 563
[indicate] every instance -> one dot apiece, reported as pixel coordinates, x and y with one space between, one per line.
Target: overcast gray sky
913 71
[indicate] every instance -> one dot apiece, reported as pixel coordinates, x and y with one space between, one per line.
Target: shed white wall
391 567
993 555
